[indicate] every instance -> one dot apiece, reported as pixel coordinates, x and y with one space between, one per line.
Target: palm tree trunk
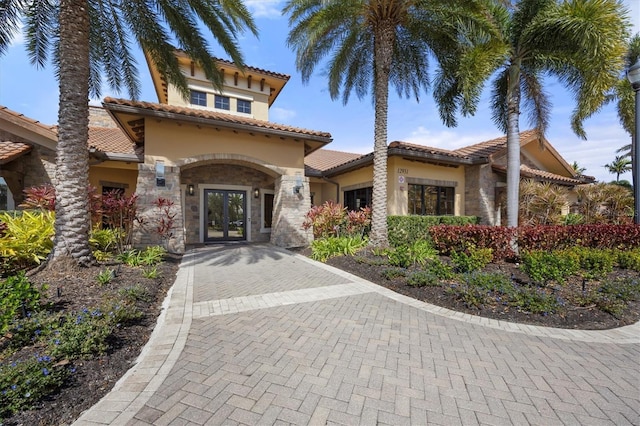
73 221
513 147
384 36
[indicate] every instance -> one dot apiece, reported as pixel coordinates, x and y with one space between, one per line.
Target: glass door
226 215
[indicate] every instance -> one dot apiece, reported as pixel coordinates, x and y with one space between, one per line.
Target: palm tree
90 37
578 168
372 43
620 165
580 42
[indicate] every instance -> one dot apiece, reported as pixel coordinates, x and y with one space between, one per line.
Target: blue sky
33 92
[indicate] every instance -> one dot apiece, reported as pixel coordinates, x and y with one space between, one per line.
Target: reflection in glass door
226 215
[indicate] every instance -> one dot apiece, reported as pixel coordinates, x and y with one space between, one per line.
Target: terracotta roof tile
214 115
246 67
490 147
426 149
324 159
9 151
112 140
528 172
52 128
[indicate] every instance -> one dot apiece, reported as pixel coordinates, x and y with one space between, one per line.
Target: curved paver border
629 334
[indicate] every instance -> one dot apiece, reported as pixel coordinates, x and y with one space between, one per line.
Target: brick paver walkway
255 335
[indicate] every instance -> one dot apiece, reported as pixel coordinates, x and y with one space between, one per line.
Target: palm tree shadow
236 253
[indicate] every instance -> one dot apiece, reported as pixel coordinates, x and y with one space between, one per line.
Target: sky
34 93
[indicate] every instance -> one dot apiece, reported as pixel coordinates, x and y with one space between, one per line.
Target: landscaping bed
577 310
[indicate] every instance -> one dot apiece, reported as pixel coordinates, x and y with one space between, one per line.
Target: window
427 200
198 98
222 102
267 210
244 106
358 198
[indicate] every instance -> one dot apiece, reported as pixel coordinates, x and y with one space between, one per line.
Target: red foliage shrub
40 197
333 220
165 220
449 238
545 237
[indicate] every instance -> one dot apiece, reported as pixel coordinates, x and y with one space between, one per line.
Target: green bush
595 263
534 300
612 296
439 269
22 384
400 256
475 260
391 273
629 259
422 279
325 248
152 255
81 334
27 240
406 230
543 266
104 240
17 295
480 288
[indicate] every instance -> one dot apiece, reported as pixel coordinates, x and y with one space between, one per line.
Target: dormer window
244 106
198 98
222 102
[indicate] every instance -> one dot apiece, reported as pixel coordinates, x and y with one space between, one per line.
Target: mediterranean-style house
235 175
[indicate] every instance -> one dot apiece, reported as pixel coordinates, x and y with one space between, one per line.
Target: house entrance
226 216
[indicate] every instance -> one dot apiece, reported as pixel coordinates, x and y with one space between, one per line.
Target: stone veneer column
289 210
145 235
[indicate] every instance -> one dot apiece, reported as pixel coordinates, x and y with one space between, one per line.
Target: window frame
222 102
352 195
444 203
200 96
246 105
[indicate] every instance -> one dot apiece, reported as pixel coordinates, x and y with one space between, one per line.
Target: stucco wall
110 174
172 141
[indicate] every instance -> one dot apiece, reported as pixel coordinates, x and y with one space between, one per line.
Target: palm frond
40 26
11 12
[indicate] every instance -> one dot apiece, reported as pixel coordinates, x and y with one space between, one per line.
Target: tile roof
246 67
324 159
215 116
526 171
112 140
24 118
490 147
9 151
426 149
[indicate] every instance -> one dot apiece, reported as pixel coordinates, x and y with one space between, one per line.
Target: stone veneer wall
99 117
223 174
289 211
148 192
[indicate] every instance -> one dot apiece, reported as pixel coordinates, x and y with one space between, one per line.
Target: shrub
400 256
476 259
134 293
534 300
595 263
22 384
447 239
532 238
423 278
391 273
17 296
613 296
81 334
480 288
543 266
165 219
406 230
629 259
439 269
152 255
104 240
105 276
323 249
120 212
151 273
40 197
28 239
333 220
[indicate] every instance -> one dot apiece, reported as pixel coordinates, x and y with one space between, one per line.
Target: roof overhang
408 154
28 129
130 119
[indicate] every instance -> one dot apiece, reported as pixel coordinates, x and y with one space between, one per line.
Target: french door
226 215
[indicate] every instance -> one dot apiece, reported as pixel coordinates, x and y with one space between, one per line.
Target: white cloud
282 115
264 8
449 139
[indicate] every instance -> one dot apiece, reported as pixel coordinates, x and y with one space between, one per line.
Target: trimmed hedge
447 239
405 230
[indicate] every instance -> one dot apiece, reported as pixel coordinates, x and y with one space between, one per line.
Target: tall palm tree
580 42
370 44
88 38
620 165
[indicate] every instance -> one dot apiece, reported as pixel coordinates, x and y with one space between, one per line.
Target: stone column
148 191
289 210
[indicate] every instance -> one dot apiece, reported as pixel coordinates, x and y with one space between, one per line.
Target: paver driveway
253 334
